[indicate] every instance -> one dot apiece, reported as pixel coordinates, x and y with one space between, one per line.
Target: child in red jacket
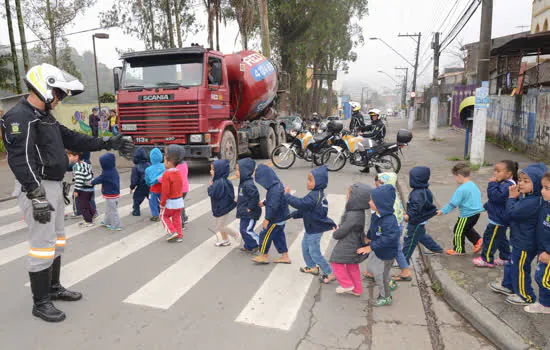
171 200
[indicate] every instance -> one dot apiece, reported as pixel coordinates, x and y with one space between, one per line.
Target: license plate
129 127
141 139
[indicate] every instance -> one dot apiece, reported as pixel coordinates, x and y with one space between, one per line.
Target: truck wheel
228 148
281 135
267 144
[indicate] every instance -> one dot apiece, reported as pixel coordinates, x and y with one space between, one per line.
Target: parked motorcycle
305 145
365 152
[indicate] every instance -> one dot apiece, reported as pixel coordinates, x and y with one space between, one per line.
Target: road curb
487 323
5 199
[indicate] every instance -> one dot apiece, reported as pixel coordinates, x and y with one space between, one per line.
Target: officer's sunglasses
60 94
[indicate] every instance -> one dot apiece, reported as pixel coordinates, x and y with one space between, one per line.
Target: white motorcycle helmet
45 78
355 107
374 112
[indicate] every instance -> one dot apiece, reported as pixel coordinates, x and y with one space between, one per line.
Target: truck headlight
196 138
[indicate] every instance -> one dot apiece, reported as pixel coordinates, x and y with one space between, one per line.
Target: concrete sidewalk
465 287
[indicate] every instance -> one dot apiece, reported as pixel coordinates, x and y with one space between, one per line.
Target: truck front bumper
191 151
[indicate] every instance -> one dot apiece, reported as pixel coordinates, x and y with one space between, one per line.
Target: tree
49 21
22 36
107 97
14 61
6 74
209 5
244 13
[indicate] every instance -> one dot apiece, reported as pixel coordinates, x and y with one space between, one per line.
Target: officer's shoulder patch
15 128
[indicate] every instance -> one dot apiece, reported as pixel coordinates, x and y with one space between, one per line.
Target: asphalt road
141 292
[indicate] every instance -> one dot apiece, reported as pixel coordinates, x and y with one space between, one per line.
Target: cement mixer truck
217 106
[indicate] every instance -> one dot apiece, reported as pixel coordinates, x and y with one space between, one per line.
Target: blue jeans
416 234
154 203
311 250
517 274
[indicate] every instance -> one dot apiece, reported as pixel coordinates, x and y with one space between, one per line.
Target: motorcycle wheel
283 157
391 163
333 159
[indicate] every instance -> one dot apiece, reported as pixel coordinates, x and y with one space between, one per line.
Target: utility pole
413 107
404 89
434 108
481 107
264 27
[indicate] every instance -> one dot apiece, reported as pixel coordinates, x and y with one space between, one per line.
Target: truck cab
185 96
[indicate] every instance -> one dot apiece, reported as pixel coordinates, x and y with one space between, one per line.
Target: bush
2 148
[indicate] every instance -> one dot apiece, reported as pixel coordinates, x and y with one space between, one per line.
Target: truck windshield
163 71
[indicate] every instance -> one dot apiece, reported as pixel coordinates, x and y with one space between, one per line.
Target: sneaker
479 262
86 224
537 308
498 288
136 214
74 216
342 290
353 293
224 243
515 299
155 219
179 239
96 214
112 228
500 262
172 237
453 253
186 219
383 301
393 285
429 252
395 265
478 246
253 250
105 225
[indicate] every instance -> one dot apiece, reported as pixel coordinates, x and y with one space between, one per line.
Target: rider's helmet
374 112
355 107
297 126
323 126
46 80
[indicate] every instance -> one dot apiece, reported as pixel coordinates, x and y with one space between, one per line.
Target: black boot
57 291
43 306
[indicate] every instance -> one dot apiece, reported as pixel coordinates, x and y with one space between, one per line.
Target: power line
61 36
473 10
449 14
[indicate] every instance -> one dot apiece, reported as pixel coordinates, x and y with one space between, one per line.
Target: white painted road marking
277 302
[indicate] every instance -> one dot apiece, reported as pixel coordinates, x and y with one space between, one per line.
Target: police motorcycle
305 145
365 152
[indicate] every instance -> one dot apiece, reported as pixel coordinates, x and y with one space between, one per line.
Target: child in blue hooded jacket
276 214
542 274
137 180
110 188
152 175
222 197
522 210
505 175
383 239
313 208
248 210
420 208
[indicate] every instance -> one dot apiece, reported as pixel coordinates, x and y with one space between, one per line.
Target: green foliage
6 73
454 159
2 147
107 97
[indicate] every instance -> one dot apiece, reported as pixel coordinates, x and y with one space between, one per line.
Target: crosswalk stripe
19 225
106 256
19 250
174 282
170 285
277 302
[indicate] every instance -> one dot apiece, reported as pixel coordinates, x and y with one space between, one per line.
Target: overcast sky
386 19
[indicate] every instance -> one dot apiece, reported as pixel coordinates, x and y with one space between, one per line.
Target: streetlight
98 36
394 50
389 76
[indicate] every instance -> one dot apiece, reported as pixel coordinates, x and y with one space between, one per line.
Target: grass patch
437 139
454 159
502 143
438 290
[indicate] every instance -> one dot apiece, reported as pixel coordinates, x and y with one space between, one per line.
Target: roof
497 42
199 50
527 45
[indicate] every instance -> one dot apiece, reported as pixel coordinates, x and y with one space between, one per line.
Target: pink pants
171 219
348 275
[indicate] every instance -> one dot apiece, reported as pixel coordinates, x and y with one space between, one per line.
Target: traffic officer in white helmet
36 143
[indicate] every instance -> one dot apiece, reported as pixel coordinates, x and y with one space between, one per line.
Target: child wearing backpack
152 175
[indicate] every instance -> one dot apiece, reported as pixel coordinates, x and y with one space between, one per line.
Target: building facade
541 16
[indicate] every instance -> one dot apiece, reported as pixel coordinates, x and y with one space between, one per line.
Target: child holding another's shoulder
222 197
248 210
171 200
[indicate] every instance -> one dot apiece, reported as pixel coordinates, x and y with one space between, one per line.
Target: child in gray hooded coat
351 236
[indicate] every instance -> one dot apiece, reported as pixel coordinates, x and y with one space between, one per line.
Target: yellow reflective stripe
458 234
42 253
488 257
522 277
546 277
266 238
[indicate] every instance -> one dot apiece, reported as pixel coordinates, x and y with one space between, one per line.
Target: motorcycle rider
357 120
377 128
36 143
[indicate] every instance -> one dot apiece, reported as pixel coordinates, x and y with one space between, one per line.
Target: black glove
41 208
124 145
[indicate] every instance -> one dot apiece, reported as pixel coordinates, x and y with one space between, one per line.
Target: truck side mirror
117 74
